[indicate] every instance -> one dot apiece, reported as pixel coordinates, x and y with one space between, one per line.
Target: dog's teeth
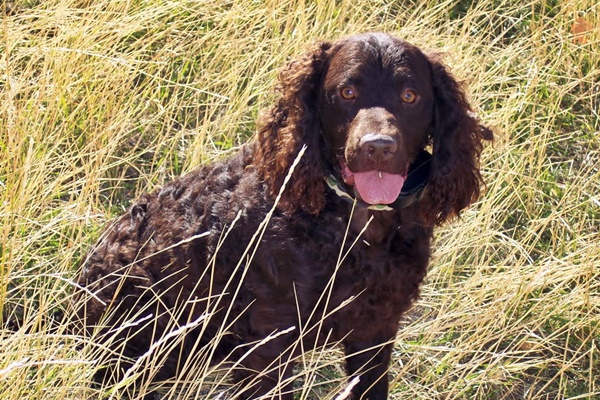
380 175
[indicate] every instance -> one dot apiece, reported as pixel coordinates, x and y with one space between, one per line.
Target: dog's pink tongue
377 187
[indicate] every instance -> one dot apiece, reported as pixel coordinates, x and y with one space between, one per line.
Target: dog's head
366 107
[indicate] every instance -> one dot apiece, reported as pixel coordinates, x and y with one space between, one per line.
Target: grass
104 100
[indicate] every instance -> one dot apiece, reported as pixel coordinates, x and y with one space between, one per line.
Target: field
103 100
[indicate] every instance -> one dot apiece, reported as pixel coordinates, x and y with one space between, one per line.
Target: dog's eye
408 96
348 93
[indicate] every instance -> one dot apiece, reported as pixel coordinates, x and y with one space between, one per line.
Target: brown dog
366 107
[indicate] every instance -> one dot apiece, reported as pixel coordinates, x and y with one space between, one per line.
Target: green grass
103 100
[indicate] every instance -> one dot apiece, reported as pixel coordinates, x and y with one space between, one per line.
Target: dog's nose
378 146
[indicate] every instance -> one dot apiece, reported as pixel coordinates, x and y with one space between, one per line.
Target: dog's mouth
374 187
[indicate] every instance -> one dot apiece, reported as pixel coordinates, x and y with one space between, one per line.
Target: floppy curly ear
454 181
291 124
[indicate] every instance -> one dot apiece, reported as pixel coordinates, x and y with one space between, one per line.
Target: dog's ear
291 124
454 181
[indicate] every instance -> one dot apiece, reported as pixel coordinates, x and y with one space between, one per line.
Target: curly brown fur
291 124
366 107
457 144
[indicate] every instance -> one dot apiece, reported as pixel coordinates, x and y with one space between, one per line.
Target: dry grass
102 100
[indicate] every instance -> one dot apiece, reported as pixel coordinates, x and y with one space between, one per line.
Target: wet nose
378 146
